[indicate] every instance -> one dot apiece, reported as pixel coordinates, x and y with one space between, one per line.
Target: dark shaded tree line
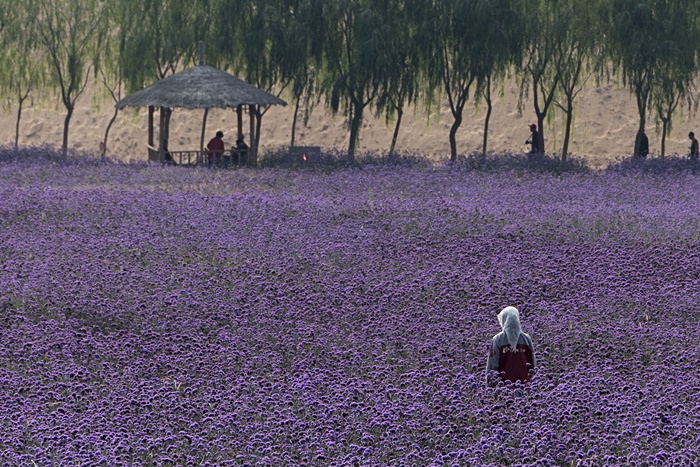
362 56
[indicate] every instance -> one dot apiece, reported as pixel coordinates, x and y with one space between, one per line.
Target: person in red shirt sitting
512 353
215 149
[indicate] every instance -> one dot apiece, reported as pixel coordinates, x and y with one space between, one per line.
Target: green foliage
70 33
159 37
654 46
297 31
20 72
361 54
673 84
352 39
546 24
578 55
225 38
400 67
497 48
450 35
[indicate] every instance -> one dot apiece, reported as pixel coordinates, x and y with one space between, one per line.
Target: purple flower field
184 317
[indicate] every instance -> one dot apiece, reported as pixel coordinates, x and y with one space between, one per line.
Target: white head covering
509 319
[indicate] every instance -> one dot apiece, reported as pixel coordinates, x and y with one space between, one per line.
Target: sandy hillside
605 124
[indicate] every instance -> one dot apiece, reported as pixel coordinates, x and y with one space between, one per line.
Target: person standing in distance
534 140
694 149
242 150
512 354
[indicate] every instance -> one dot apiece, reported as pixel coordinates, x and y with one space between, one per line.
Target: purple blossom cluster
163 316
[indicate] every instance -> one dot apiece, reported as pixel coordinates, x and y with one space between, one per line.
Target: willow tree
225 36
578 55
353 36
666 98
632 39
400 72
449 37
645 37
302 90
20 73
674 83
159 37
274 49
296 33
70 33
496 48
546 23
110 74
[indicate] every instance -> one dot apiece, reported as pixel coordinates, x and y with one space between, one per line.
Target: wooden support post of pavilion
161 135
151 110
239 112
252 150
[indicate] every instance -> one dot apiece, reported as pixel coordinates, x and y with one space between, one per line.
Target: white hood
509 319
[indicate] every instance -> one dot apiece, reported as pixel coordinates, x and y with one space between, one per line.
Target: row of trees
361 56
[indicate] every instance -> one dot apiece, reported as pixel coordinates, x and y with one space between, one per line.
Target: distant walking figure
512 354
643 145
534 140
215 148
694 149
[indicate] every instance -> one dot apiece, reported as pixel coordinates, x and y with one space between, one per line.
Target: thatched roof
200 87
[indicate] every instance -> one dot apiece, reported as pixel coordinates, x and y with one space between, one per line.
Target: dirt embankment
604 127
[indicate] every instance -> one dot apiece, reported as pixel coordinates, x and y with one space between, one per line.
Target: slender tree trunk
567 130
116 95
109 126
204 130
536 100
355 124
666 114
294 120
664 130
258 126
640 132
453 134
489 109
540 131
21 97
642 108
395 136
66 125
540 118
541 113
19 117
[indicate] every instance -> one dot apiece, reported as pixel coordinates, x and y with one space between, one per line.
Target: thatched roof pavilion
200 87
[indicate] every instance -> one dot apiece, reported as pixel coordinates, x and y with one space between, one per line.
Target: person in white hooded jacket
512 354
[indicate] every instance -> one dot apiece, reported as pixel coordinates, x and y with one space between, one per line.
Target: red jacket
216 148
513 366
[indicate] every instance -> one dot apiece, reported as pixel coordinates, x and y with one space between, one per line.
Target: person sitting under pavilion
215 149
242 150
